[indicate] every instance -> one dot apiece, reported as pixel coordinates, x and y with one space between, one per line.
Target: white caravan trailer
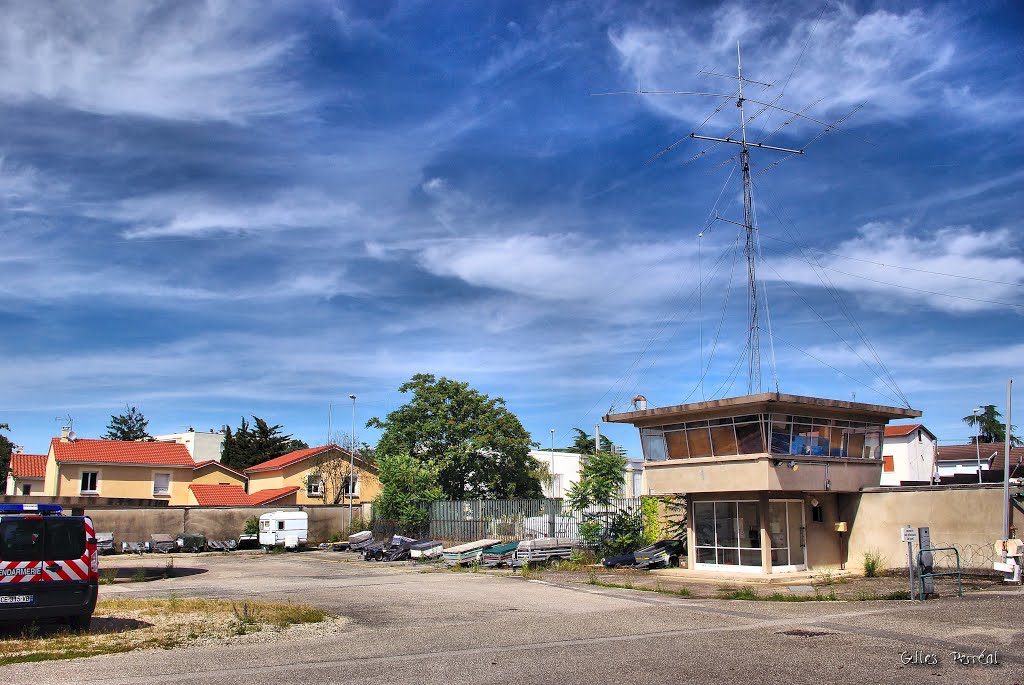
288 528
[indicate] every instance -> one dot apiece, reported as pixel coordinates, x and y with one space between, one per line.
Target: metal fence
513 519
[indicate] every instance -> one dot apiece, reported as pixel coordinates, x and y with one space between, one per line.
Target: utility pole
352 461
1006 460
750 249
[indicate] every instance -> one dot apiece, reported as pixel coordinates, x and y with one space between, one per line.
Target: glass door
786 529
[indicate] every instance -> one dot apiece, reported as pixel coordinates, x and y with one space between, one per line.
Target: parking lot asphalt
404 625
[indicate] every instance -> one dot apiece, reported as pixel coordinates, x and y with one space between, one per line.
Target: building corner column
691 536
766 539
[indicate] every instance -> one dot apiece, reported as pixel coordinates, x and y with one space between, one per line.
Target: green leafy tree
479 448
250 445
6 449
408 486
131 425
294 445
584 443
989 427
601 478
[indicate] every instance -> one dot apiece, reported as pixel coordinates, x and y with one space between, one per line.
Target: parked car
49 566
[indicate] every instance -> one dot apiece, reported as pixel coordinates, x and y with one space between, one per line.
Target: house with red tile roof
908 455
235 496
212 472
319 475
78 467
26 474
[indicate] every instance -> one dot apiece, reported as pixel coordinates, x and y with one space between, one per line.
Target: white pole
597 438
352 461
552 474
977 441
1006 461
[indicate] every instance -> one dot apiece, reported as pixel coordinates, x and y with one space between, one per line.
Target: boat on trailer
468 553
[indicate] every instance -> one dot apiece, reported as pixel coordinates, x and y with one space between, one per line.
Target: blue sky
208 212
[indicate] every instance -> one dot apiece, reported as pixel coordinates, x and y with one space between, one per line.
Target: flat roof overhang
765 402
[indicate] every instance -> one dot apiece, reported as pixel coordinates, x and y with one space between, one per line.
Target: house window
352 485
90 482
817 514
314 487
161 484
637 484
26 489
887 464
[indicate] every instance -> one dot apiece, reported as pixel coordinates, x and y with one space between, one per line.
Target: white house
565 470
908 454
201 445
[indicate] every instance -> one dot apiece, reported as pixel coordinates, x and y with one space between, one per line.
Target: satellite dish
71 436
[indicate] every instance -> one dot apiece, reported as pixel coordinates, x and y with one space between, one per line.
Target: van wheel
80 622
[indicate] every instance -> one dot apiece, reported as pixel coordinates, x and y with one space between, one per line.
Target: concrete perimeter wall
969 517
216 523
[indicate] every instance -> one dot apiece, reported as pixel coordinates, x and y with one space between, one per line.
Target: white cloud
197 215
894 62
564 267
959 250
191 61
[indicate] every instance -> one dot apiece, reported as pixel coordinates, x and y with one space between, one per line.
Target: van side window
65 538
280 525
21 540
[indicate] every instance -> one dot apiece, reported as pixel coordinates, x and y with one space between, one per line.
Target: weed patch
123 625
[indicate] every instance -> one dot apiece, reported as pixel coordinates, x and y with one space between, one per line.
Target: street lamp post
352 461
977 435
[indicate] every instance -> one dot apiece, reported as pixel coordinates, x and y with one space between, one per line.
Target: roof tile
121 452
296 456
271 494
28 465
219 495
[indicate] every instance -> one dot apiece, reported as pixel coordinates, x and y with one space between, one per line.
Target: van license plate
15 599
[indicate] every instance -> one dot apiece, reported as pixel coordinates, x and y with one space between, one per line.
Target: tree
601 478
294 445
6 449
249 446
131 425
331 470
584 443
408 486
989 427
479 448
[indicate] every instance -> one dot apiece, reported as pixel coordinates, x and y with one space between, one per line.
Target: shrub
873 561
252 526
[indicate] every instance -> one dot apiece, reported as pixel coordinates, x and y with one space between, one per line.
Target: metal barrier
507 520
922 574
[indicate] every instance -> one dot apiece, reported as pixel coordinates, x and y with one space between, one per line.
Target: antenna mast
753 330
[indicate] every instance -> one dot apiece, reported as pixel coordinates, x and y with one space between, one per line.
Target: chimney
640 403
65 433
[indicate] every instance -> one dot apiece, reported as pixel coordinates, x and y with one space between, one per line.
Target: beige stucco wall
367 484
755 473
211 475
967 516
123 481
